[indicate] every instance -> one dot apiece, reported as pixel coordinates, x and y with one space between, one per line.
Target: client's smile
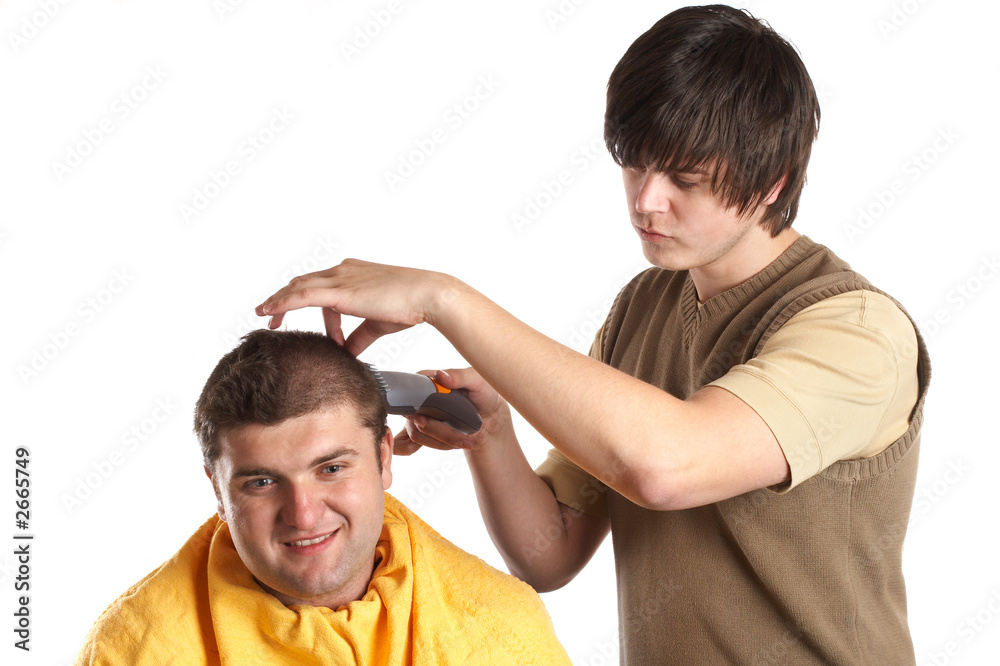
309 542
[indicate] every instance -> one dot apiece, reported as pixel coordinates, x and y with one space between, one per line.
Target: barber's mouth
309 542
650 236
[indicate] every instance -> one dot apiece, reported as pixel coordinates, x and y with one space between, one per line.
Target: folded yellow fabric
429 602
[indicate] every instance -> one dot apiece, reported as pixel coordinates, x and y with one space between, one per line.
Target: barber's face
683 225
304 502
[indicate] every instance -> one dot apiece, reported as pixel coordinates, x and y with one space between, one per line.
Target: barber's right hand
423 431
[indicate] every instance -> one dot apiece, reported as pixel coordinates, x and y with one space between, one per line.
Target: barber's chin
663 258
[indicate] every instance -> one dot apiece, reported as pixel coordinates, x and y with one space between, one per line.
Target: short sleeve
837 381
573 486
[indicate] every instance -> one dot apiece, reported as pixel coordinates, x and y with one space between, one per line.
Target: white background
115 301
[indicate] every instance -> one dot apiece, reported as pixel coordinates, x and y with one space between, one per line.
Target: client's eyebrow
339 453
334 455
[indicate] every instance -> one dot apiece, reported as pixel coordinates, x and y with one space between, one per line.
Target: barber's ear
772 196
218 498
385 455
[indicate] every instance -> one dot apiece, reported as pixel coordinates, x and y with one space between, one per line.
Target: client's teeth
309 542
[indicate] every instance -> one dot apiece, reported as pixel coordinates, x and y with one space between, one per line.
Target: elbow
658 487
549 585
542 581
657 497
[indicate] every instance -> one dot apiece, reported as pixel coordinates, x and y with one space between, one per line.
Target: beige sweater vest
812 576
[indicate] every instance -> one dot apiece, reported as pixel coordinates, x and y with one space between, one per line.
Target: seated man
309 561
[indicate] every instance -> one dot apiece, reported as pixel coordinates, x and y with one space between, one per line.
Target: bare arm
543 542
658 451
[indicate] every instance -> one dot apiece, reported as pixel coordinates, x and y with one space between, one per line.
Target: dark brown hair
713 87
272 376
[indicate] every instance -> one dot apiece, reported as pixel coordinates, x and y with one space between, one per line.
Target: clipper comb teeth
407 394
383 385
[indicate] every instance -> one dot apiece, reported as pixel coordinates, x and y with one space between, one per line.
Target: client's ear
221 509
385 455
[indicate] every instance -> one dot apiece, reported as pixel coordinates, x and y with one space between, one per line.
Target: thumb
402 445
459 378
368 332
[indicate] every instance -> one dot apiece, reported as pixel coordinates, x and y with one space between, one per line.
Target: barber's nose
302 508
653 193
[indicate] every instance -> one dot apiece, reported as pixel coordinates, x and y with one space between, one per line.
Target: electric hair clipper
407 394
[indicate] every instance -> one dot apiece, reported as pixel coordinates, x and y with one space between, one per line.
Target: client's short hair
272 376
713 87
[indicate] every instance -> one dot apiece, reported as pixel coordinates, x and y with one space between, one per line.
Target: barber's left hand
423 431
389 298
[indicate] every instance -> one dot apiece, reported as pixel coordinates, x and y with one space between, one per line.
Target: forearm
524 520
607 422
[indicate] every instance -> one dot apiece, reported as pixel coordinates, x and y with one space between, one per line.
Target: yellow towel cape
429 602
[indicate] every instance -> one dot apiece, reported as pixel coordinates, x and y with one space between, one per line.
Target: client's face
304 502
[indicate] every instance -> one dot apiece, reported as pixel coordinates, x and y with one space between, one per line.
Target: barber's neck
751 254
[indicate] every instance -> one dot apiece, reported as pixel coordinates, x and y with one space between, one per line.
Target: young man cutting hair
747 425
